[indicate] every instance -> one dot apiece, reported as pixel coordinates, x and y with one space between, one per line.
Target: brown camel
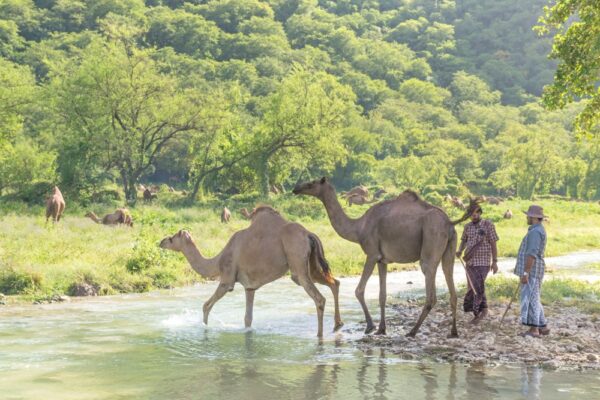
359 200
149 196
508 214
357 190
245 213
120 216
494 200
402 230
55 205
262 253
225 215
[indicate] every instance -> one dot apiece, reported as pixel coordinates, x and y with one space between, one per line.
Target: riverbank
39 261
573 343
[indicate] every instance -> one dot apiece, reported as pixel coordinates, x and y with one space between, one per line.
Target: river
154 346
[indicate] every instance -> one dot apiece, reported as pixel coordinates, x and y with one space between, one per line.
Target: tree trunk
129 187
264 177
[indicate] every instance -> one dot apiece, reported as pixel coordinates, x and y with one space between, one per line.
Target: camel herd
403 229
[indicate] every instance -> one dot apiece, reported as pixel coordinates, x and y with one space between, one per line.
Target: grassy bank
39 260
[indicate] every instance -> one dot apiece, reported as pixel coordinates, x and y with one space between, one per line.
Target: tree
119 112
302 124
576 46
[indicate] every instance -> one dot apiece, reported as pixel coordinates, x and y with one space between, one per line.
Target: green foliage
14 281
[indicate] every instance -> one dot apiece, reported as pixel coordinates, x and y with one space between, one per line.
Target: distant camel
149 196
359 200
259 254
402 230
494 200
357 190
508 214
55 205
245 213
225 215
456 202
120 216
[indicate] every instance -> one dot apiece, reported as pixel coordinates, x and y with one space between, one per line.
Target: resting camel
260 254
225 215
120 216
55 205
494 200
357 190
402 230
359 199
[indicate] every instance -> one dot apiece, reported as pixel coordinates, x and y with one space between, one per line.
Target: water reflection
531 379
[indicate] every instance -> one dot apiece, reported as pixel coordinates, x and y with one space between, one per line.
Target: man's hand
494 267
525 279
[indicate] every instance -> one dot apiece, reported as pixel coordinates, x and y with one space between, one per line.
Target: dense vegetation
236 95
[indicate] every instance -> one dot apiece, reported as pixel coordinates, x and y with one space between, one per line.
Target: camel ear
179 233
323 180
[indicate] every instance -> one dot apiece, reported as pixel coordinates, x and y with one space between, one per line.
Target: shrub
18 282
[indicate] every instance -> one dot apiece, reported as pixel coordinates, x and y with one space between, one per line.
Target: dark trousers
476 302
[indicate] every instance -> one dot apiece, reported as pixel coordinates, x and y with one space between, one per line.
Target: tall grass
39 259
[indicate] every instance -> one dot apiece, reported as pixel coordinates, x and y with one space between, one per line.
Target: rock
83 289
592 357
571 348
409 283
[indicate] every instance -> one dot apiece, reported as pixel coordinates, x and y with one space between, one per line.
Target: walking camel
55 205
401 230
260 254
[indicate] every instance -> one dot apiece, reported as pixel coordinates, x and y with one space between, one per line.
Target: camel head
315 188
177 242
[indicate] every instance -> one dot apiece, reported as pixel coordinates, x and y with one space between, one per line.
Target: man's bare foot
544 331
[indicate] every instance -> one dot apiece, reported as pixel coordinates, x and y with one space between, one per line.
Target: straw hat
535 211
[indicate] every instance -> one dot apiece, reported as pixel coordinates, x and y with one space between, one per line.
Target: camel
225 215
494 200
508 214
357 190
120 216
456 202
402 230
55 205
149 196
245 213
379 193
359 199
262 253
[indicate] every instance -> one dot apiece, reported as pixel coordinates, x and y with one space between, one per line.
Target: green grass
39 260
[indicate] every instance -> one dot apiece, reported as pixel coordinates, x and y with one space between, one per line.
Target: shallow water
154 346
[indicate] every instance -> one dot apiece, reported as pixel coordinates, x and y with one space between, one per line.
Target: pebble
592 357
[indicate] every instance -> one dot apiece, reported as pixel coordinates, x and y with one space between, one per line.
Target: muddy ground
573 343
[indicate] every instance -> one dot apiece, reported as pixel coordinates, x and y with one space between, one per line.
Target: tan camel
359 200
120 216
262 253
494 200
402 230
225 215
508 214
55 205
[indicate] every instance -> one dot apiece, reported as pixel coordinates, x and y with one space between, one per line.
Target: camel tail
473 205
316 251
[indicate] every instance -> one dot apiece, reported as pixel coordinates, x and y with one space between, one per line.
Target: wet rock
592 357
83 289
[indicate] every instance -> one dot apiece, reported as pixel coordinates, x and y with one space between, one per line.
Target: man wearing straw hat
530 268
479 240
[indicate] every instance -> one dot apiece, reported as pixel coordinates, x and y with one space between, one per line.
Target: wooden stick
467 274
514 296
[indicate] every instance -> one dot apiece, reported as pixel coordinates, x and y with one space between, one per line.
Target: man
479 239
530 269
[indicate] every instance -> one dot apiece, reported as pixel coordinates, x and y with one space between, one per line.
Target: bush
18 282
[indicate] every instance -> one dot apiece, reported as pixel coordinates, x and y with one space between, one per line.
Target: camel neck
207 267
345 226
94 218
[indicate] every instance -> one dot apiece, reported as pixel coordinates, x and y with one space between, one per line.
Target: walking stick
514 296
467 274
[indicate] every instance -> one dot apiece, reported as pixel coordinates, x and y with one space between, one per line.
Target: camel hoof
452 335
337 327
380 332
411 334
369 329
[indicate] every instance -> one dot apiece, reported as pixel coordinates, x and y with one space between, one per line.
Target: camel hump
410 194
316 249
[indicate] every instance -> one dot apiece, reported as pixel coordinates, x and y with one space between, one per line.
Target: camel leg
430 298
317 297
382 269
219 293
249 306
360 292
335 289
448 268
